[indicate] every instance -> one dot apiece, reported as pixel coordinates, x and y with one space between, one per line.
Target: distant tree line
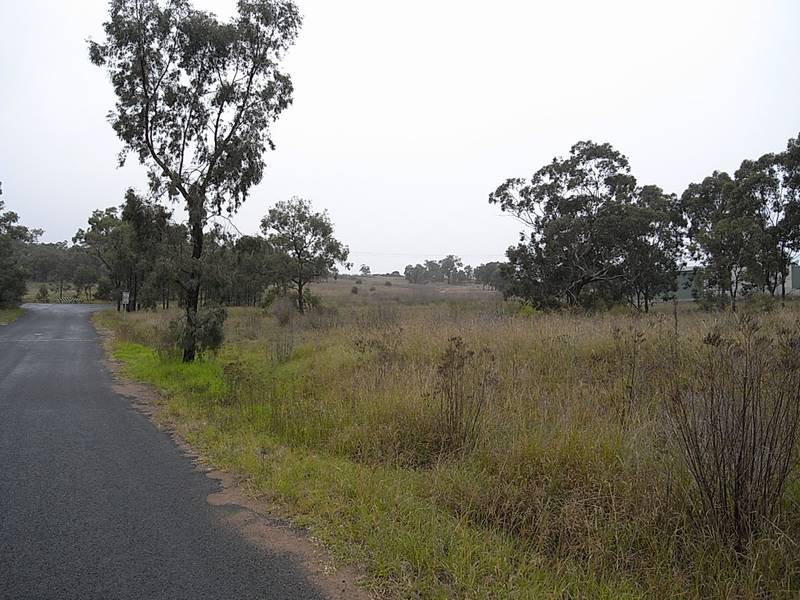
143 252
596 237
138 248
450 269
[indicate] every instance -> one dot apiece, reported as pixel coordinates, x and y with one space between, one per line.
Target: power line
426 254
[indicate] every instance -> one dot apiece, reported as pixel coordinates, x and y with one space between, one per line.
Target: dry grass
570 459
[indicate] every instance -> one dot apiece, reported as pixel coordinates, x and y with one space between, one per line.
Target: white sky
407 114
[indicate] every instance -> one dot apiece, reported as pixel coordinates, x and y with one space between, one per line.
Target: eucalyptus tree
12 274
767 183
790 164
572 209
138 245
723 229
450 266
109 239
653 230
416 274
490 274
195 101
304 238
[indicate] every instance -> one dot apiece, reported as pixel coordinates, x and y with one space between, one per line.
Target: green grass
571 490
7 315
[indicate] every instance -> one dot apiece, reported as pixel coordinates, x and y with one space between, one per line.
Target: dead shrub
283 309
282 345
380 314
384 346
735 423
466 383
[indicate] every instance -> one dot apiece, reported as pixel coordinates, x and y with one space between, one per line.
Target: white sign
126 297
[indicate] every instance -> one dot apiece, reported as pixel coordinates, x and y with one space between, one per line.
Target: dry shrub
735 421
383 346
283 309
466 383
247 326
321 318
282 345
380 314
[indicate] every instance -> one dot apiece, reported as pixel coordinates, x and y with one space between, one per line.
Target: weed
736 424
466 383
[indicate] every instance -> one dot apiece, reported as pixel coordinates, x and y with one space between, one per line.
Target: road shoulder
255 520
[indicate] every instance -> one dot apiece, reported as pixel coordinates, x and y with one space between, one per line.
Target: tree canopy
12 273
592 231
305 238
195 101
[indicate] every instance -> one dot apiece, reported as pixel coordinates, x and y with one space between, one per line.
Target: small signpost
126 298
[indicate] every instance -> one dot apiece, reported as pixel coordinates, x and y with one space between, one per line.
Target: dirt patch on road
252 518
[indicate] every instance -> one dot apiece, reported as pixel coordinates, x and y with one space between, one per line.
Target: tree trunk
196 219
301 301
135 290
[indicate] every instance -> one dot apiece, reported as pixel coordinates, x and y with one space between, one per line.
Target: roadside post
126 298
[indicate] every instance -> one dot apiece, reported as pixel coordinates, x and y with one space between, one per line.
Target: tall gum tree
571 207
195 101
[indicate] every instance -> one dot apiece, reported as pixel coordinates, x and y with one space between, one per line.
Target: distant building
686 280
793 281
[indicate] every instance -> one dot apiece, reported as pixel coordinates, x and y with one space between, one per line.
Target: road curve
95 502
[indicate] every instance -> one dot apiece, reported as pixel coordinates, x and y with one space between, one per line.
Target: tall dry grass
570 435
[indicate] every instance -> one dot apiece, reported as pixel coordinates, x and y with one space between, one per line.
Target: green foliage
593 232
744 228
43 295
759 302
12 274
490 275
527 311
197 106
208 333
138 246
450 269
305 240
597 238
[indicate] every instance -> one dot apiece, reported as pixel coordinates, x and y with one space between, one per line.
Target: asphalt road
95 502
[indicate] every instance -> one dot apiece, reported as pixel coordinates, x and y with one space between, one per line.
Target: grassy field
9 314
461 447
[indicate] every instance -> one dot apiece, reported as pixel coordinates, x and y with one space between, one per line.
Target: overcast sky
407 114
